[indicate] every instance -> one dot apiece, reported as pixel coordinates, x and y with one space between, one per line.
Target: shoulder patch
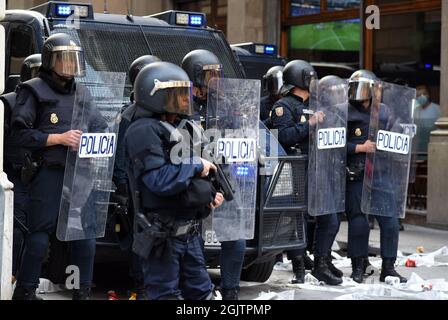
279 111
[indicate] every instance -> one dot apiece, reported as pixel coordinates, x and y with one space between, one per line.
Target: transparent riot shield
233 123
88 172
328 147
386 174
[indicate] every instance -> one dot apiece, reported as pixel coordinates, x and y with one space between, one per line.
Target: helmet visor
274 83
177 96
68 62
34 70
309 76
360 91
211 72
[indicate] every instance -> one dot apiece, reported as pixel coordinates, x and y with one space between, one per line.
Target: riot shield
233 118
386 173
88 172
328 147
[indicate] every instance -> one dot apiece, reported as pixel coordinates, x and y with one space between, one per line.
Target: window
21 46
336 5
304 7
336 42
408 46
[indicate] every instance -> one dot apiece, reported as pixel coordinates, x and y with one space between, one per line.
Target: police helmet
63 56
139 64
332 91
273 80
30 67
202 66
360 85
163 87
298 73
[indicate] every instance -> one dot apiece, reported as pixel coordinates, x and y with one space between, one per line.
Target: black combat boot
309 264
25 293
323 273
140 291
357 269
298 269
84 293
230 294
335 271
388 270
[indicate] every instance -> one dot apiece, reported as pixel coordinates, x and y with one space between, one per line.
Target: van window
21 46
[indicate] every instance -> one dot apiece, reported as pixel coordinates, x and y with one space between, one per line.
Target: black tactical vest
54 116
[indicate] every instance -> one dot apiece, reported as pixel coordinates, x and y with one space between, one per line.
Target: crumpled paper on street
416 288
425 259
284 295
46 286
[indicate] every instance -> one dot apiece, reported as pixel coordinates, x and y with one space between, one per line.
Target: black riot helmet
202 66
63 56
360 85
332 91
273 80
298 73
30 67
163 87
139 64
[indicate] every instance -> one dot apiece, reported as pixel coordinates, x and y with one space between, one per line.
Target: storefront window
304 7
328 42
407 48
335 5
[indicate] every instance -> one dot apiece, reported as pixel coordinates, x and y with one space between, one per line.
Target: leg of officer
162 274
358 230
327 227
43 210
389 234
297 257
83 256
195 281
232 259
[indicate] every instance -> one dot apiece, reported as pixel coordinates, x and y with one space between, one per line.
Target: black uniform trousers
42 216
359 230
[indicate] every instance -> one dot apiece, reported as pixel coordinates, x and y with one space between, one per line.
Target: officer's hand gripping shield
328 148
233 120
386 174
88 172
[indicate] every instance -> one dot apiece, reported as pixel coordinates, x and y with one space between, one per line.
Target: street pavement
412 238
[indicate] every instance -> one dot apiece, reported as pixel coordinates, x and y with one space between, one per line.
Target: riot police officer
14 158
358 145
203 66
41 123
121 195
173 194
290 116
273 83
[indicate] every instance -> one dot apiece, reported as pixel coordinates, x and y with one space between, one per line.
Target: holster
355 172
147 235
154 232
29 170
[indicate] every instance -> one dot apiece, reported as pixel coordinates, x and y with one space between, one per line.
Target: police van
257 58
111 43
